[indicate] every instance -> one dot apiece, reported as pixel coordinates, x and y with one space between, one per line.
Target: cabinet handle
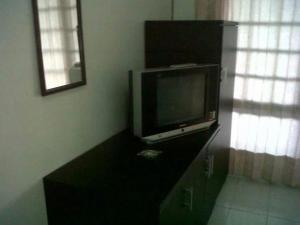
209 171
207 166
212 160
188 198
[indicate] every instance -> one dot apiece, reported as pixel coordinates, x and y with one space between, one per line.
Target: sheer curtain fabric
266 120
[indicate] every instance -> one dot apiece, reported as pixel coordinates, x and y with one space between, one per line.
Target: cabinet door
178 206
198 171
217 165
185 203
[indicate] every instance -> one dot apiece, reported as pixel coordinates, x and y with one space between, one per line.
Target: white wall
184 9
39 134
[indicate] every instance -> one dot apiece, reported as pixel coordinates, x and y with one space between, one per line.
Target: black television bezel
149 105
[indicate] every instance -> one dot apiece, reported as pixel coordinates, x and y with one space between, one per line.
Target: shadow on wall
261 166
26 210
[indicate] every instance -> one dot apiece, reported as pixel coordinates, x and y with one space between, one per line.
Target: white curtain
266 119
58 26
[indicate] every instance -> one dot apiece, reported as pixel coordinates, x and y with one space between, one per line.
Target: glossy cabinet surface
112 185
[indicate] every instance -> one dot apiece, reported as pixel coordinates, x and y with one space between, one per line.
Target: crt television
167 102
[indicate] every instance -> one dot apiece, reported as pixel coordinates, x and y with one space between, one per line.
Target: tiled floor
245 202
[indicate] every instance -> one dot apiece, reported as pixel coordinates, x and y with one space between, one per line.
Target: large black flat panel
177 42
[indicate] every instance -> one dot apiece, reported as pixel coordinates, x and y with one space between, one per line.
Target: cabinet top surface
114 165
204 22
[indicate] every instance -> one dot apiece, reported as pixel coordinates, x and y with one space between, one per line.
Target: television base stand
156 138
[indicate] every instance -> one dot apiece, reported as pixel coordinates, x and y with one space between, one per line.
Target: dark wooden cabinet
217 168
202 42
177 42
183 205
177 208
193 197
112 185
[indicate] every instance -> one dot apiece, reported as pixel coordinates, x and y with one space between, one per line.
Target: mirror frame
44 90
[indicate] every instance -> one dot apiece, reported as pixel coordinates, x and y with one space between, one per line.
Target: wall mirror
60 49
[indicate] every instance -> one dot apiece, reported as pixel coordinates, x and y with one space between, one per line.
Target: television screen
180 98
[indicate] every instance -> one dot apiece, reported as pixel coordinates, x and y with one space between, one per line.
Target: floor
244 202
